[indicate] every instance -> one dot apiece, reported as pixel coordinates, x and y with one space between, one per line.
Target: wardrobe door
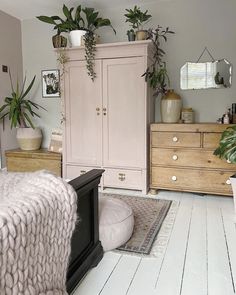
83 122
124 114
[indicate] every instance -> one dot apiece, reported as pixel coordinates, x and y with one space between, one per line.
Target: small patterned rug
149 215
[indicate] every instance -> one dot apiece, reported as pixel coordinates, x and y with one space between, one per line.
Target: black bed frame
86 249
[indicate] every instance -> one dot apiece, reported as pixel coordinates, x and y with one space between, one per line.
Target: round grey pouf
116 222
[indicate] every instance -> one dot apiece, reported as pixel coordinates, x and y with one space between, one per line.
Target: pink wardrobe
107 121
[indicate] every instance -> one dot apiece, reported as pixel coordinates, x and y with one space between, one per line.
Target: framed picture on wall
51 83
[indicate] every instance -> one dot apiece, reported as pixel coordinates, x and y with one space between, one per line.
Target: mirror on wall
205 75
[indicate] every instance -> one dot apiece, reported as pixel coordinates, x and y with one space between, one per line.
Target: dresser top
37 154
198 127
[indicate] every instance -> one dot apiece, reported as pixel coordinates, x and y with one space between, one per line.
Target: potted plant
227 150
58 40
20 111
81 26
157 77
137 19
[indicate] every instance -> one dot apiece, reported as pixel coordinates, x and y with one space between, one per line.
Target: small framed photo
51 83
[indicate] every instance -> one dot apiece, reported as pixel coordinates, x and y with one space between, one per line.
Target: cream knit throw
37 218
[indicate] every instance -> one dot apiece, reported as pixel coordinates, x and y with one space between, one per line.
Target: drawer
175 139
189 158
211 140
17 164
72 172
192 180
131 179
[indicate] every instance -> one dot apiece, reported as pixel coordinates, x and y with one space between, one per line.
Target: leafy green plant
80 19
156 74
19 109
227 145
136 17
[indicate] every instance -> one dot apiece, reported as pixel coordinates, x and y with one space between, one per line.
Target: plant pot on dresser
182 159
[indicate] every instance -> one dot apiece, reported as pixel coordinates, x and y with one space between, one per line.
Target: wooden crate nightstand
29 161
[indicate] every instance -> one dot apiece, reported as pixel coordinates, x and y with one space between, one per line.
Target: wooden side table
29 161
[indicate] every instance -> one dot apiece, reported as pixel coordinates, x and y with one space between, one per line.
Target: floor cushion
116 222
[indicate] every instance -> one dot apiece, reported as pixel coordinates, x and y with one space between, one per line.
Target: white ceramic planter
233 184
76 37
29 139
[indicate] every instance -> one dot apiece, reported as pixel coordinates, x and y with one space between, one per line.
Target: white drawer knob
175 157
174 178
228 161
228 181
175 139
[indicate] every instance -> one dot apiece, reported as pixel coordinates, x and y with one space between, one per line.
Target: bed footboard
86 249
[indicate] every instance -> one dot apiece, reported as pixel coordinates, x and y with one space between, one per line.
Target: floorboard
219 273
195 270
199 259
122 276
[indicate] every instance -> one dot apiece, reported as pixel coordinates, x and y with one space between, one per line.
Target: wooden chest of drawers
182 159
29 161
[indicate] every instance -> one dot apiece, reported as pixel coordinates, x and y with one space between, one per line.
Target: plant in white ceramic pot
20 112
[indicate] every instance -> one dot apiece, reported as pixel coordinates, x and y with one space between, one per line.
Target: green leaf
47 19
29 88
28 120
67 12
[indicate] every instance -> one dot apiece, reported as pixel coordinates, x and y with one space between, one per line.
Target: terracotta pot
171 105
76 37
141 35
29 139
59 41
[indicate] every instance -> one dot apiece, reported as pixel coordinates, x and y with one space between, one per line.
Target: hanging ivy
90 49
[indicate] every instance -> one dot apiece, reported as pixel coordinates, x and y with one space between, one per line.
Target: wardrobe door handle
121 176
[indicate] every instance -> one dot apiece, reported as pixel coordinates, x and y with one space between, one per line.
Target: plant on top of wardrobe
137 19
88 22
156 74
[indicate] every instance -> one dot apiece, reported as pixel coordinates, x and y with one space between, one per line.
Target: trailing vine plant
90 50
156 74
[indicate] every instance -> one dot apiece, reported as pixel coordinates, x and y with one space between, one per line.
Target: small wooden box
29 161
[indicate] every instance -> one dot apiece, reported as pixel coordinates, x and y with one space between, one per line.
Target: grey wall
197 23
10 55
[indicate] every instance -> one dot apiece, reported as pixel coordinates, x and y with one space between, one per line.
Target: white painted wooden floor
200 258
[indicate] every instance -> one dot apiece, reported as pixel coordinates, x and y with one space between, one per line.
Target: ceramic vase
76 37
171 105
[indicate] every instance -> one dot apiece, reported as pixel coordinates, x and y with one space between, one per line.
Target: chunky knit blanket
37 218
